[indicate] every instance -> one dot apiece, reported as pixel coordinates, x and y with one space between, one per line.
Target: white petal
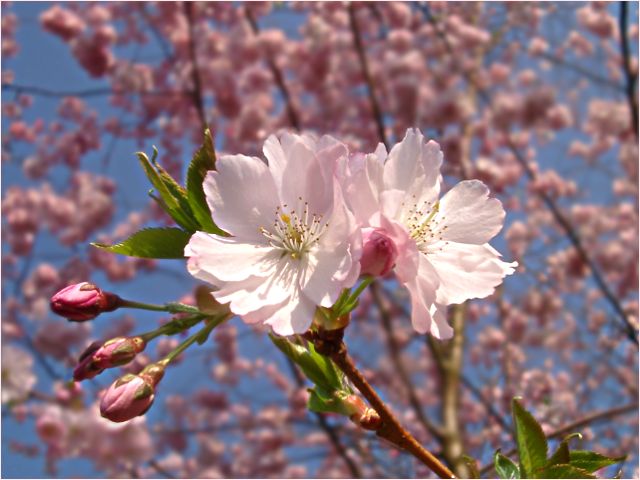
469 214
363 187
295 316
333 264
241 195
467 271
229 260
413 166
254 293
422 292
439 327
407 261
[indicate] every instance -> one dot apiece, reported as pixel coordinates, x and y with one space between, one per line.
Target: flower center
295 234
424 228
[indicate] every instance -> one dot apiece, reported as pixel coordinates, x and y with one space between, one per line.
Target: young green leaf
151 243
505 467
203 161
592 461
317 368
173 201
561 455
562 471
530 439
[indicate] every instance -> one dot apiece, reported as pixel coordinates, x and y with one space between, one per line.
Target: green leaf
203 161
562 471
505 467
530 439
317 368
561 455
151 243
174 198
592 461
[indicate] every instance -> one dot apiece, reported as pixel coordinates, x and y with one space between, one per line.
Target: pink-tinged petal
295 316
469 214
263 313
300 170
276 157
363 187
333 265
254 293
439 327
467 271
413 166
422 292
229 260
242 196
408 256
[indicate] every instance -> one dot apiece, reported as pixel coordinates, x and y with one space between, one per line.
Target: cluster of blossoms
318 220
322 217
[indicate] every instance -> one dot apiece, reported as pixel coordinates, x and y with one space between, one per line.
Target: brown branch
196 93
330 343
399 367
571 427
605 82
547 200
366 73
277 76
91 92
630 76
449 363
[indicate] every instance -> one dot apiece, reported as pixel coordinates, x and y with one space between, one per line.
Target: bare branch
277 76
366 73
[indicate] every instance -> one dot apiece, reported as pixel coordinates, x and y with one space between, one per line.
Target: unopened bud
113 353
360 414
83 301
379 252
131 395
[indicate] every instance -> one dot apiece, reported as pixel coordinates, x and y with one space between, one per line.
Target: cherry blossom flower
293 243
17 374
442 252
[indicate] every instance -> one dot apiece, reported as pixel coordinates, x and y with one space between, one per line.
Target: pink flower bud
115 352
83 301
379 252
131 395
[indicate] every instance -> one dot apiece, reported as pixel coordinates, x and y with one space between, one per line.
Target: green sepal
472 465
163 242
505 467
317 368
592 461
173 198
530 439
325 402
143 391
203 160
562 471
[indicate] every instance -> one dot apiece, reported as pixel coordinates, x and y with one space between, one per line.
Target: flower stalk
199 337
330 344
